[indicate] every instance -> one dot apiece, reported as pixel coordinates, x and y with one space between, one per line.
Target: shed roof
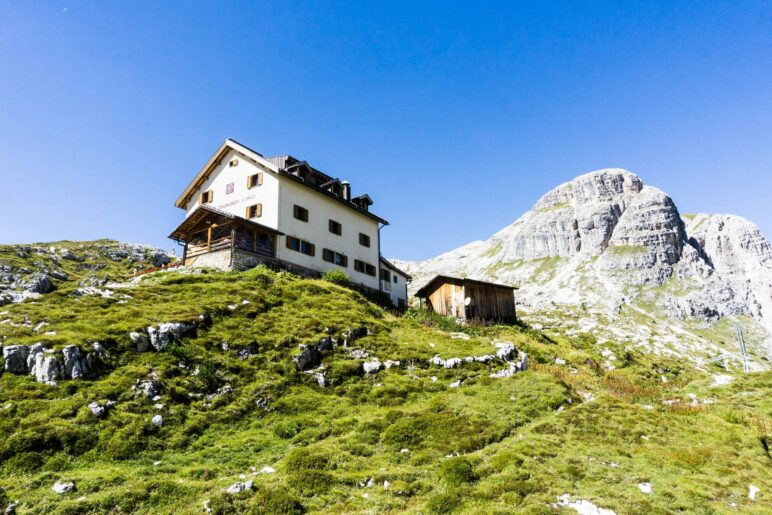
430 286
212 214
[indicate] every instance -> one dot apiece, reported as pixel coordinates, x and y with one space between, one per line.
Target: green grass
490 446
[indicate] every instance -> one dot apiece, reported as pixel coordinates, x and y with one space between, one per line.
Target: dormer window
206 197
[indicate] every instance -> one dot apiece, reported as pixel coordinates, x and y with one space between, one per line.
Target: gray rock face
48 366
75 365
37 283
15 357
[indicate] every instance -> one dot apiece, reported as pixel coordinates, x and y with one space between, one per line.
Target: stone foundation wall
220 260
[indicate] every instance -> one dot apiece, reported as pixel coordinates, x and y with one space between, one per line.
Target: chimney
346 190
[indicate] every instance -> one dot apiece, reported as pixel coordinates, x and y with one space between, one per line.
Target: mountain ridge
606 241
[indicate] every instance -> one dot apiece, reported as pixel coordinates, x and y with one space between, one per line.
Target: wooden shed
468 299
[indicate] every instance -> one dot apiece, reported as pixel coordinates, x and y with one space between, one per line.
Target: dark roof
424 291
284 164
391 265
213 214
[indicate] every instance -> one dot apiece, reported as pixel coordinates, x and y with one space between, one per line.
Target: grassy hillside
595 424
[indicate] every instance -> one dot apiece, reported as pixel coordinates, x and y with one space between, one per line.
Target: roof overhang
211 215
215 161
424 291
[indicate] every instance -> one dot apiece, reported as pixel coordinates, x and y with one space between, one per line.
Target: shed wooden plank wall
448 300
490 303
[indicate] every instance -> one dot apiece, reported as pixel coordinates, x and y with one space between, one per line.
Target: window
335 227
229 188
255 180
364 268
255 211
233 162
206 197
385 275
364 239
335 257
395 279
300 213
301 246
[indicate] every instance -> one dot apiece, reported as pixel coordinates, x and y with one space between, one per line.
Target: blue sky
454 117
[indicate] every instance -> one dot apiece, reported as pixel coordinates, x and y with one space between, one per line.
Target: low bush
457 471
446 502
338 277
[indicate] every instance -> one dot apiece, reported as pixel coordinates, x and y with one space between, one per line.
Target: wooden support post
254 241
233 243
185 253
209 240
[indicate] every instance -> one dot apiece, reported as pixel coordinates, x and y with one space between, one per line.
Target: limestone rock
238 487
37 283
15 357
141 341
63 487
165 333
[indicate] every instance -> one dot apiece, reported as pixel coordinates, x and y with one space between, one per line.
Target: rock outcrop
48 366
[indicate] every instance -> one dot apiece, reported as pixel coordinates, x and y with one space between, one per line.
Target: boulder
37 283
75 365
237 488
150 388
140 341
308 358
98 410
160 258
157 421
63 487
248 351
46 368
168 332
16 359
371 366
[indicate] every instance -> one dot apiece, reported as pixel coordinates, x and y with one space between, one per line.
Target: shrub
446 502
271 501
457 471
286 428
207 374
337 277
298 459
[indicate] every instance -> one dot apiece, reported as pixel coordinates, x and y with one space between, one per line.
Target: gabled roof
269 165
429 287
391 265
212 214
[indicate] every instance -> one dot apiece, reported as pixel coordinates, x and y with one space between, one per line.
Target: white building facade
282 209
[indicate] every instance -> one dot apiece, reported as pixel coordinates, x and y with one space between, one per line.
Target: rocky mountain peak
598 186
605 240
